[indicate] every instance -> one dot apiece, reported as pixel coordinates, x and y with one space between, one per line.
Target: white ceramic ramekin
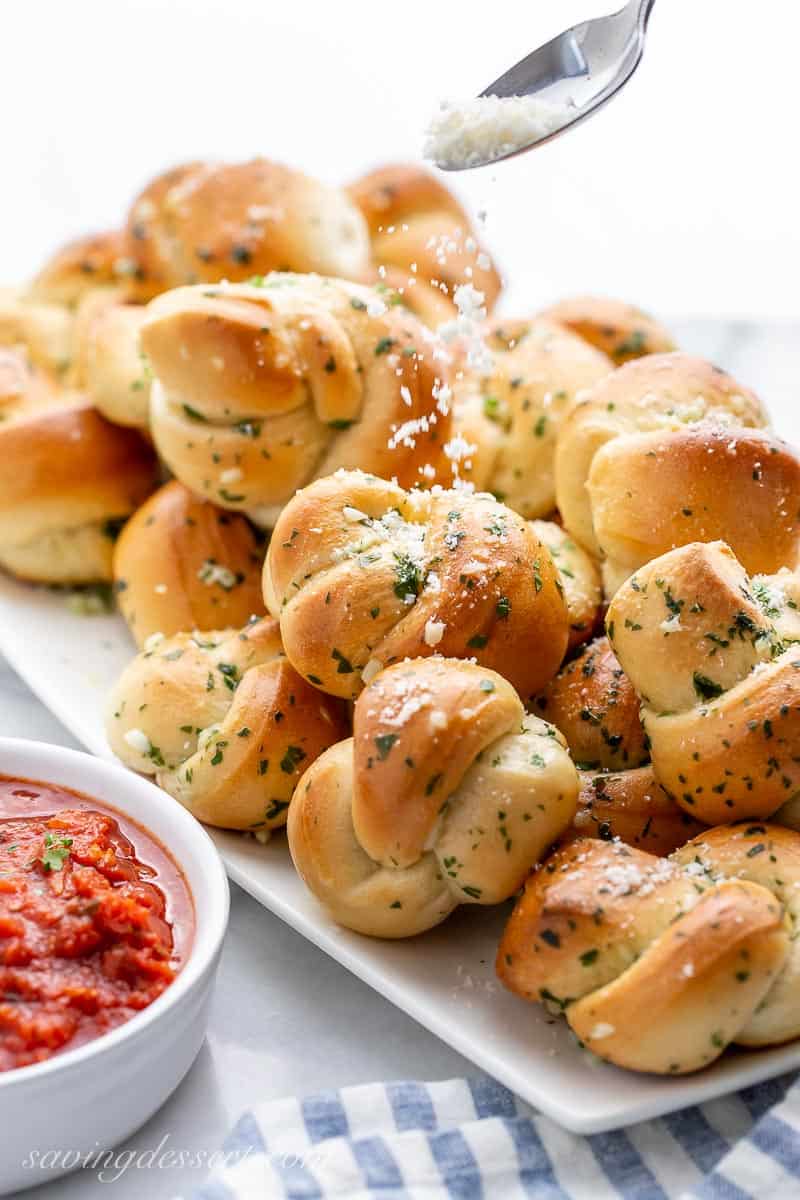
93 1097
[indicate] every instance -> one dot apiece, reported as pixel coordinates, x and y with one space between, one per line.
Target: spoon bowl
578 71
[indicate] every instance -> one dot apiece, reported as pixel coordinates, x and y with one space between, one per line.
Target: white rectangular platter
445 980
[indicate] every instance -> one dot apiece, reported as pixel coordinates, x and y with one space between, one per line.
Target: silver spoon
582 68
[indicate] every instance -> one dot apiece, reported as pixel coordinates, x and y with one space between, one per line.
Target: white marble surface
286 1019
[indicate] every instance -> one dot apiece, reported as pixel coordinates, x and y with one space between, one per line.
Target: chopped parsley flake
193 414
384 743
345 666
293 756
56 851
706 688
408 577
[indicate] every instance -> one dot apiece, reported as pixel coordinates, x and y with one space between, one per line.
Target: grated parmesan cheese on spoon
466 133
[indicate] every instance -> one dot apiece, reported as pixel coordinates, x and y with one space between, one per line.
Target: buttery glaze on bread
633 807
580 580
72 477
446 794
513 414
595 706
362 574
183 564
691 427
423 242
202 222
659 964
720 689
620 330
259 390
223 722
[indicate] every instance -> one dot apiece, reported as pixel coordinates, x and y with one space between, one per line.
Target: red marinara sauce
96 920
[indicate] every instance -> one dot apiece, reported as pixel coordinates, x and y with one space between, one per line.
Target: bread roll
49 315
259 390
514 413
620 330
630 806
91 309
446 794
423 242
769 857
223 723
363 574
74 478
659 964
595 706
25 387
720 692
117 374
182 564
202 222
432 305
739 485
80 267
580 580
779 596
669 450
42 331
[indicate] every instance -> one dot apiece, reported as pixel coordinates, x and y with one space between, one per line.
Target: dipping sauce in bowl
96 920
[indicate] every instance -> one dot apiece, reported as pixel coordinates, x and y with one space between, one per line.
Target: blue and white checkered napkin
472 1140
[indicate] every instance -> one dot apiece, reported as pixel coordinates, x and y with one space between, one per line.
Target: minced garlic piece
138 740
434 632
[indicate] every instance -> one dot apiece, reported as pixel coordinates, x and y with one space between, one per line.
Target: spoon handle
645 8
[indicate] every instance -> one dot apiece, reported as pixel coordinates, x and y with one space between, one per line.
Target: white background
682 194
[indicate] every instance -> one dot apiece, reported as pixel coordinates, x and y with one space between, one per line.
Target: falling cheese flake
468 327
406 434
